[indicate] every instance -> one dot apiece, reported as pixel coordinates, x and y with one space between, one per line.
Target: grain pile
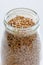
21 21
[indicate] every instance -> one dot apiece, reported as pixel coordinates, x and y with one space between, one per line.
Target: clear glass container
21 46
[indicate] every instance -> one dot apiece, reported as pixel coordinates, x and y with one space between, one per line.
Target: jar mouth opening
34 27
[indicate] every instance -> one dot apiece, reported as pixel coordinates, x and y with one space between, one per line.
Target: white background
37 5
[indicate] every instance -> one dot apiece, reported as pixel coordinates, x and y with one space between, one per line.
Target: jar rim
35 26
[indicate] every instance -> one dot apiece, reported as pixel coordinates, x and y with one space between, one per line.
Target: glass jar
21 46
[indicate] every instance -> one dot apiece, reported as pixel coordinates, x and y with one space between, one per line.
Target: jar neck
22 31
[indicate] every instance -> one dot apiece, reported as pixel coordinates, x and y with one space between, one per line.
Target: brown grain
21 21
